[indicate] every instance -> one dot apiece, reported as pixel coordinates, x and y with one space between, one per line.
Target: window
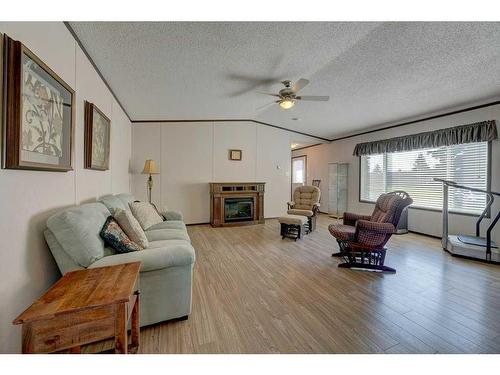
299 170
413 172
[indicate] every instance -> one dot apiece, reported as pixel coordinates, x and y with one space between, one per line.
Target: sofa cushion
172 215
114 236
63 260
173 254
169 224
145 213
126 198
77 231
165 243
131 227
112 202
167 234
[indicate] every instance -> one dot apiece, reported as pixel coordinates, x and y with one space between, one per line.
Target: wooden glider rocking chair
362 238
305 203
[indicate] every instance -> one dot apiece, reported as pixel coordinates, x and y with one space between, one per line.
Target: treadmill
477 247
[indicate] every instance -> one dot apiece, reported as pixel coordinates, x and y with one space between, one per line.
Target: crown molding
79 42
304 147
468 109
234 120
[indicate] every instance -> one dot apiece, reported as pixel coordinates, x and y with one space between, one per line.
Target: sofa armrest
172 254
172 215
351 218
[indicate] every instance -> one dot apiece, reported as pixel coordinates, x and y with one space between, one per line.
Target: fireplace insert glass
238 209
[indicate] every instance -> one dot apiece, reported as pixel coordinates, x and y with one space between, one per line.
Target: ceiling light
286 103
294 145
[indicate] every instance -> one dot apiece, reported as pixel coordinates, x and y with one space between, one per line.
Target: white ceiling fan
288 95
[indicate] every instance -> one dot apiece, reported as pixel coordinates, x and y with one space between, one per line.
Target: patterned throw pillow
145 213
131 227
114 237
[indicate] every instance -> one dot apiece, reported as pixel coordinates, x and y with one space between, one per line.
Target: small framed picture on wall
97 138
234 154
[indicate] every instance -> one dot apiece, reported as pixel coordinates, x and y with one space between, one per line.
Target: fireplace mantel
251 195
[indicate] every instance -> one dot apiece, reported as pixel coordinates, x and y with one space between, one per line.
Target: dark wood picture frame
235 155
12 102
90 108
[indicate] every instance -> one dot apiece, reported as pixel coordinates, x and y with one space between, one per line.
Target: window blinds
413 171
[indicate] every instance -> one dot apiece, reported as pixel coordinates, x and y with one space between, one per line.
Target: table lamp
150 169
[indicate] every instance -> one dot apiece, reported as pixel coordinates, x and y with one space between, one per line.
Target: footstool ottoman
293 226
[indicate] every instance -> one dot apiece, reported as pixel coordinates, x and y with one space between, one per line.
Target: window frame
488 187
305 168
291 173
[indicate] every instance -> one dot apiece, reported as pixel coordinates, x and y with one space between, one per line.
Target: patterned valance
477 132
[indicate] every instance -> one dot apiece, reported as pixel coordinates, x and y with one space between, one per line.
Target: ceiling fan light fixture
287 103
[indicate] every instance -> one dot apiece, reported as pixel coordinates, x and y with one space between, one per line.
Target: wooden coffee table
84 307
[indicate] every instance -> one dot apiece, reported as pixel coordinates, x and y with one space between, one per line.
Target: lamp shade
150 167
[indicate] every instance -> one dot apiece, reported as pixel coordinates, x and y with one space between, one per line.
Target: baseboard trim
424 234
205 223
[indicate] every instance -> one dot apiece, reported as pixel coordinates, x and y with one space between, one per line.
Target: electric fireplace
238 209
234 204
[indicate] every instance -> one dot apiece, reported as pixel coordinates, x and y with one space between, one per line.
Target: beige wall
427 222
28 197
193 154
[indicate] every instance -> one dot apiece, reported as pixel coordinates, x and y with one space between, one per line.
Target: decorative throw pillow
131 227
114 236
145 213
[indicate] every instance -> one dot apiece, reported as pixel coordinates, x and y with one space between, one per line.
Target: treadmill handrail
489 193
455 185
487 208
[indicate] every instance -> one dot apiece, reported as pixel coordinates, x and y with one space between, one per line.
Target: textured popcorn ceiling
375 73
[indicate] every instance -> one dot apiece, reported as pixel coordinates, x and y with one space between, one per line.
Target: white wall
28 198
427 222
192 154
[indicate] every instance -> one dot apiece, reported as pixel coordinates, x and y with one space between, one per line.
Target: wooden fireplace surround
219 191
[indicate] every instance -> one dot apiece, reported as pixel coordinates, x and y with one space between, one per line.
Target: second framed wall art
97 138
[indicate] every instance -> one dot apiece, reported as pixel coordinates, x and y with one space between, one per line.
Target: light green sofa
167 264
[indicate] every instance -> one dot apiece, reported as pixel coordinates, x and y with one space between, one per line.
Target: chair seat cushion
296 211
292 219
171 254
342 232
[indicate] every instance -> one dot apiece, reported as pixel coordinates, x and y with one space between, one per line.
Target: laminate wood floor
256 293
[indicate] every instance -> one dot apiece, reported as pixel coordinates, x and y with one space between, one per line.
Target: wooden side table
84 307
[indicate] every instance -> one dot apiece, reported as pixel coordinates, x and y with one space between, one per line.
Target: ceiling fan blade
268 93
250 83
313 98
300 84
266 105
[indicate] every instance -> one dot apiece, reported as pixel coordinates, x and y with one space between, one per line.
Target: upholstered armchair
362 238
305 203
